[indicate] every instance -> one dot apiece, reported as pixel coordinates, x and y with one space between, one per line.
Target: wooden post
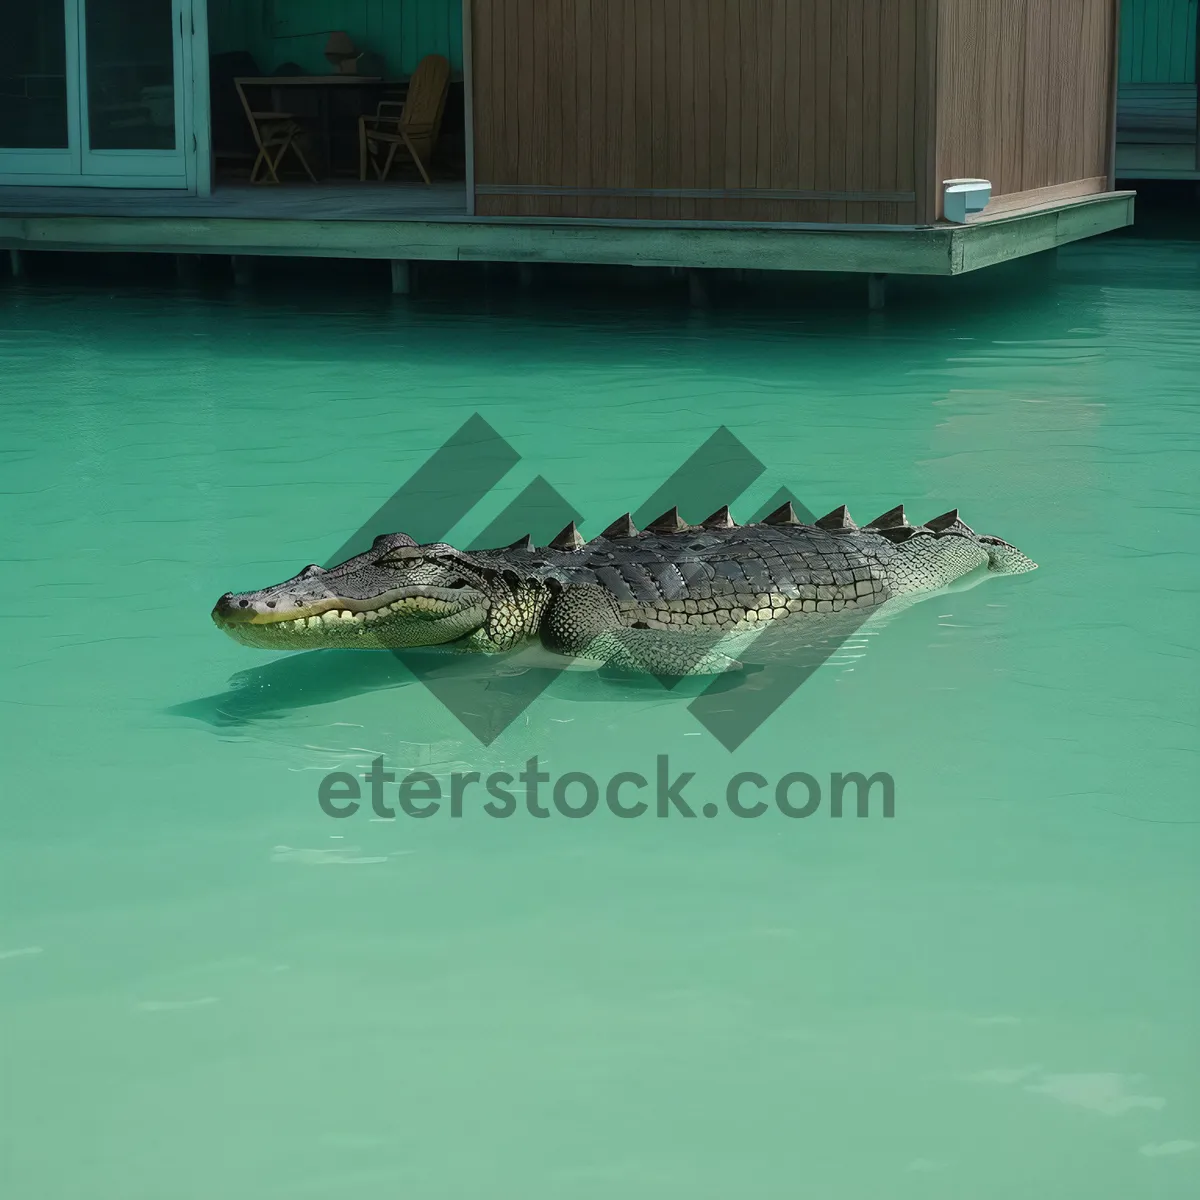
876 292
243 270
697 291
17 261
401 277
525 276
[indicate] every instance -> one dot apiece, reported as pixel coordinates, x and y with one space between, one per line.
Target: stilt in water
401 277
876 292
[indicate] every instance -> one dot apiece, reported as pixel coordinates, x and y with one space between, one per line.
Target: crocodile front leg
585 623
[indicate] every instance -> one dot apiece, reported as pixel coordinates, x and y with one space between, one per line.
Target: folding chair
412 126
275 133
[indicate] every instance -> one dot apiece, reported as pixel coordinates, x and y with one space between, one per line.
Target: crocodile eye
400 560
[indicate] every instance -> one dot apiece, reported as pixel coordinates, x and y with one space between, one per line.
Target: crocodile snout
250 608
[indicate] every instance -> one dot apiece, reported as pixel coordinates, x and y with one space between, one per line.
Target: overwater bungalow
869 136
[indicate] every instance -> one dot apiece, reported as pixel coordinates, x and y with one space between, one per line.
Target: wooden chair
275 133
412 126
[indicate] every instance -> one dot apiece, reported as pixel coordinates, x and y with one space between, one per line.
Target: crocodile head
395 595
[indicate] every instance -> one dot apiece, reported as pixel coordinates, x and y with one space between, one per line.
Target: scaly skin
670 600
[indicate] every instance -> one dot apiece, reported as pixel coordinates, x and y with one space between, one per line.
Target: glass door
93 92
39 97
131 88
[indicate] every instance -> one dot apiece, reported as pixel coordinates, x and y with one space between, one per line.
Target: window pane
130 75
33 75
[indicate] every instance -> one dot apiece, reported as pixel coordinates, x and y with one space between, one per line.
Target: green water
209 988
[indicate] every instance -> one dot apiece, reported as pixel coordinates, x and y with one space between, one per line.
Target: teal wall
1158 41
278 31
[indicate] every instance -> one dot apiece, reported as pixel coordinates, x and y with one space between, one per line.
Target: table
323 85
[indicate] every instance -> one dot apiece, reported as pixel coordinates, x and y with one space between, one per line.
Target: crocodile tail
1005 559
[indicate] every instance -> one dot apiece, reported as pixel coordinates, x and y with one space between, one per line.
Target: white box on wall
962 197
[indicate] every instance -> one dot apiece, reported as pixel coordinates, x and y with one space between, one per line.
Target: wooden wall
754 110
1024 94
1158 41
829 111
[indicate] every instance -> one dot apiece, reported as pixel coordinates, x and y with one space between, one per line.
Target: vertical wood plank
605 126
1037 115
621 47
874 81
751 72
643 92
926 139
905 176
733 94
772 82
785 134
517 58
584 94
888 106
854 135
693 135
718 106
554 115
667 158
839 61
805 120
822 115
1012 89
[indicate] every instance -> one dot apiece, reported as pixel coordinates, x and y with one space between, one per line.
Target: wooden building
1159 92
776 134
826 111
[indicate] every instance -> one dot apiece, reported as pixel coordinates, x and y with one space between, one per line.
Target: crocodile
672 600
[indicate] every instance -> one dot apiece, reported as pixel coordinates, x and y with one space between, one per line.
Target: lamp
341 53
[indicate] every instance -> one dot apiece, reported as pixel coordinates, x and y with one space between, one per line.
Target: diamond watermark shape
465 469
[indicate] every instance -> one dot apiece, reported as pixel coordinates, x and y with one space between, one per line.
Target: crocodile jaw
425 617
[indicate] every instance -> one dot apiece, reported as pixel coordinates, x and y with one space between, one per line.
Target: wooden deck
287 202
1157 131
401 223
1144 161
